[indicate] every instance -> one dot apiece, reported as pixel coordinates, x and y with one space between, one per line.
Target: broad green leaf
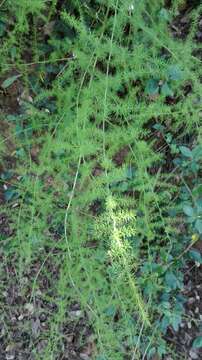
6 175
197 152
2 28
169 138
198 226
197 191
135 340
195 256
188 210
186 151
8 82
159 127
130 173
165 323
20 152
194 167
12 118
152 87
162 349
123 186
176 320
10 194
171 280
166 305
110 311
174 72
197 342
165 297
174 149
164 14
199 206
13 52
151 353
181 299
166 90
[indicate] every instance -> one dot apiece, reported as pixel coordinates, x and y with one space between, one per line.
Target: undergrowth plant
102 162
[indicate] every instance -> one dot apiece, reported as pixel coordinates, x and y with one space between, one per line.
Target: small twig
2 3
42 62
181 255
69 204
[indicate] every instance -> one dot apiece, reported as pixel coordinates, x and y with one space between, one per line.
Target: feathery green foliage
107 81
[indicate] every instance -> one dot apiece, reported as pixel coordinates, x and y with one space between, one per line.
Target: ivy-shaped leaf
152 87
176 321
166 90
151 353
195 256
197 152
186 151
197 191
164 14
174 73
10 194
171 280
198 225
188 210
197 343
110 311
199 206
